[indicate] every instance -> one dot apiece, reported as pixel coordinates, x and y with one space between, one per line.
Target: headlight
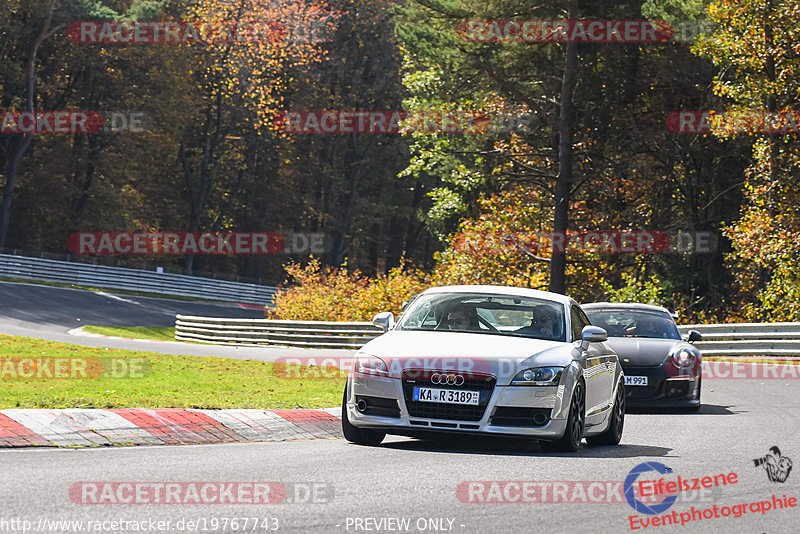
371 365
683 358
538 376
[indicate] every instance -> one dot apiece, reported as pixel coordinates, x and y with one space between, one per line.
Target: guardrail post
309 334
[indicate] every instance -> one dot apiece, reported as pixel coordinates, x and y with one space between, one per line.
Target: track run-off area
324 484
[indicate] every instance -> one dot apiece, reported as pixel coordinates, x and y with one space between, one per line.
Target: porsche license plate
635 380
447 396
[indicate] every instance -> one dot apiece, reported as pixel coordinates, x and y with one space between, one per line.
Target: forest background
579 139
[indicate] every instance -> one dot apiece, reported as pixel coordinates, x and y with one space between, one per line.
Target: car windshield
634 323
486 314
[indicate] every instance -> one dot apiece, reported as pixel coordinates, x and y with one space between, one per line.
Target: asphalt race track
53 307
413 479
45 312
329 485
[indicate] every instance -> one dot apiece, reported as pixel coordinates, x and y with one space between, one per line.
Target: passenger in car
543 323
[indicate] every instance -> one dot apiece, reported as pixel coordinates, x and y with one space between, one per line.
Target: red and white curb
162 426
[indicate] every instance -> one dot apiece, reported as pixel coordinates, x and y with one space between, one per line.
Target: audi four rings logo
447 380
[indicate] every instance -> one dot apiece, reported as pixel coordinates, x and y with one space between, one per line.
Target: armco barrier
764 339
316 334
747 339
133 279
758 339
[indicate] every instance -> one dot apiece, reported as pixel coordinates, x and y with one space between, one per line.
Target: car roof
502 290
625 306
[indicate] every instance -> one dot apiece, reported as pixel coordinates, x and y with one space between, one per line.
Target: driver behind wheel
461 319
646 327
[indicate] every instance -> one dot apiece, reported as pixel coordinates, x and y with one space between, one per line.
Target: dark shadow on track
705 409
522 447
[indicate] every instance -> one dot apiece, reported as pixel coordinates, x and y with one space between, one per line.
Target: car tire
353 434
576 419
613 434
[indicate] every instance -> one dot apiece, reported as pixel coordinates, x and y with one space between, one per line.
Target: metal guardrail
134 280
251 332
751 339
134 262
747 339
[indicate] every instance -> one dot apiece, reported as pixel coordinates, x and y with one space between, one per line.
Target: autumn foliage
318 293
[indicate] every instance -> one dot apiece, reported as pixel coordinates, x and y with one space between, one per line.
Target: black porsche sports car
662 369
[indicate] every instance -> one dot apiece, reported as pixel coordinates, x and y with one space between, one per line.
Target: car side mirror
694 335
592 334
403 307
384 320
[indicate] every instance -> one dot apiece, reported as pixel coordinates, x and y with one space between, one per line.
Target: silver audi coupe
487 360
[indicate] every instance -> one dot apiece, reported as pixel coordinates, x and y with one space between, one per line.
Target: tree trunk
566 124
8 188
414 230
197 199
353 170
772 107
765 273
188 260
22 147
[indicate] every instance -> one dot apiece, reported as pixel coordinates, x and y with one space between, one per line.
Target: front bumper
522 411
662 391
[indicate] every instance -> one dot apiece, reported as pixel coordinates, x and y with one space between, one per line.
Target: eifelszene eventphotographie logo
777 467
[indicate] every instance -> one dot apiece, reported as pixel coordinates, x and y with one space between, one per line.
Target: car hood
493 354
642 351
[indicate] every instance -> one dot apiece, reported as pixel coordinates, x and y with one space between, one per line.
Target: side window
421 317
578 320
586 321
430 319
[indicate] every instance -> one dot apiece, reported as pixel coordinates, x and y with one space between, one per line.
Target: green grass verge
168 381
166 333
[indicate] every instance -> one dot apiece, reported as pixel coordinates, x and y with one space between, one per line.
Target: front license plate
447 396
635 380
